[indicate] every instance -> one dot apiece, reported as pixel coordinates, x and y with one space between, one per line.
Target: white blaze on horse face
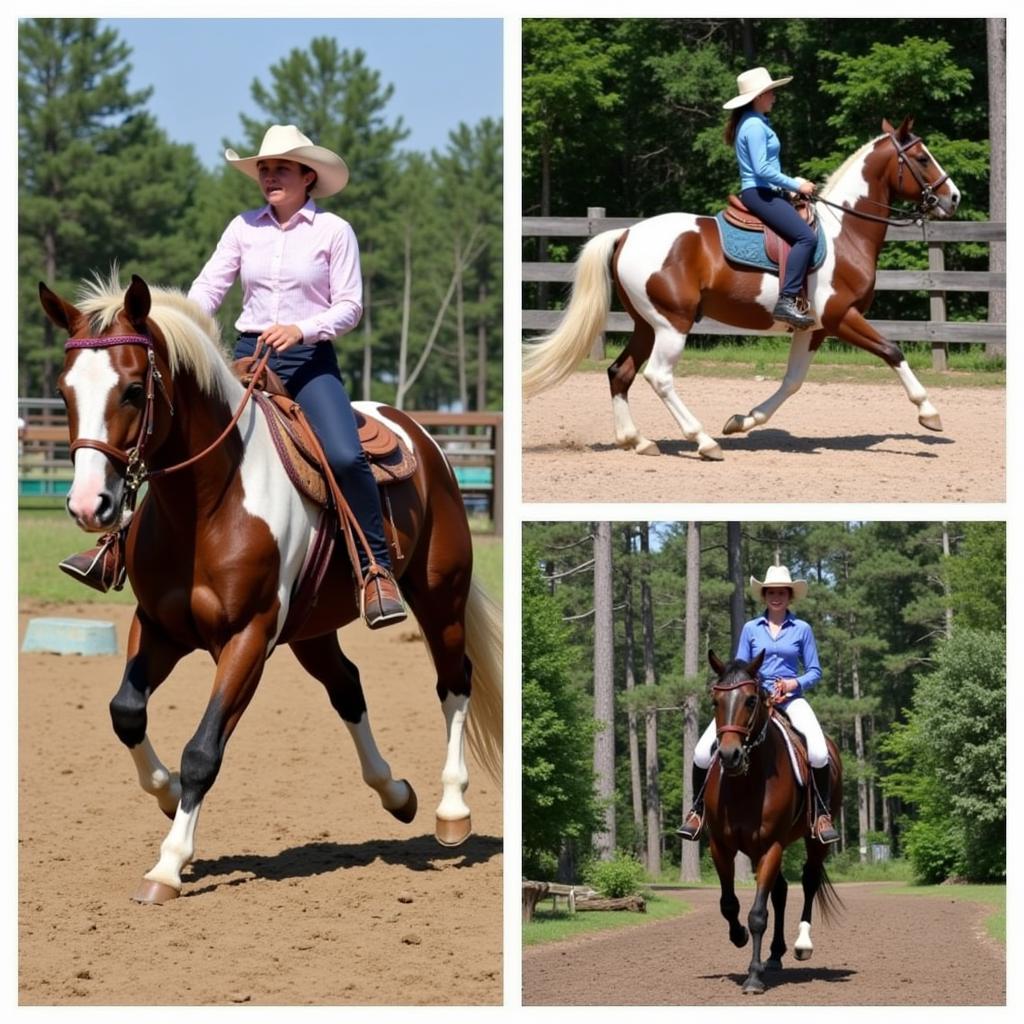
454 775
89 382
953 199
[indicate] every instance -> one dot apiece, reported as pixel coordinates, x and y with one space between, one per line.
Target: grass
46 535
555 925
993 895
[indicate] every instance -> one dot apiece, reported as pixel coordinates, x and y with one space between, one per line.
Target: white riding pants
804 720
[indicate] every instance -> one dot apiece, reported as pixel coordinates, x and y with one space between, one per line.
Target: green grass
487 564
993 895
555 925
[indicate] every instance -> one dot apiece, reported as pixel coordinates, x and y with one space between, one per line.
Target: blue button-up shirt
757 150
794 646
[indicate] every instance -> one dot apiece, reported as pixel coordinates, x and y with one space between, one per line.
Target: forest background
909 618
101 184
626 114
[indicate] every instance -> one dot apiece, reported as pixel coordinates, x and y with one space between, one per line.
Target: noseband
747 743
929 200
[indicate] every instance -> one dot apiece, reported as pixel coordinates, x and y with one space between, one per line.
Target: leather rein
928 201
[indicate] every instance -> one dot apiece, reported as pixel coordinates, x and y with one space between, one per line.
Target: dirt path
885 949
303 891
830 442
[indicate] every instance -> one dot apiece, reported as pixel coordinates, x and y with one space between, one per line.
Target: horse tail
550 360
483 647
828 901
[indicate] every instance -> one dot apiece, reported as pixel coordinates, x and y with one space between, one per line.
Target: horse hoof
773 965
734 425
646 447
802 954
453 833
156 893
933 422
739 939
712 453
407 811
753 987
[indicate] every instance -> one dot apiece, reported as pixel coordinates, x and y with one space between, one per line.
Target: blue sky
444 70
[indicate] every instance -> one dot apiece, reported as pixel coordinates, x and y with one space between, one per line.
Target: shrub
933 848
621 876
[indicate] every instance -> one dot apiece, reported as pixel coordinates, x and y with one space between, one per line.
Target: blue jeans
778 214
311 375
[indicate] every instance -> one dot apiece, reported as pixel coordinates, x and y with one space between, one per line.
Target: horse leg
151 658
811 880
801 352
668 347
323 659
728 904
621 375
757 919
779 892
857 331
239 668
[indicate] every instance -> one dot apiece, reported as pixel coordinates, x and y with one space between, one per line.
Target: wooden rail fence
936 280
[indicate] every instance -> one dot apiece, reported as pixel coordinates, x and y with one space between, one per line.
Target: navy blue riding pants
311 375
778 213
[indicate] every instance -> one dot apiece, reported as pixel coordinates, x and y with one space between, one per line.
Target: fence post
597 348
937 304
498 490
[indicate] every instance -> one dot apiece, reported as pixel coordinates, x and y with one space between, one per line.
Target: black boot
787 311
691 826
823 830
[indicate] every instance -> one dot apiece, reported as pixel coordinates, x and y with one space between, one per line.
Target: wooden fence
471 441
936 280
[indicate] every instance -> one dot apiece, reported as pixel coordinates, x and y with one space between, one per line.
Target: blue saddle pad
747 247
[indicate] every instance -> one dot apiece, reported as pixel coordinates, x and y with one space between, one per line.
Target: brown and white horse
670 270
214 550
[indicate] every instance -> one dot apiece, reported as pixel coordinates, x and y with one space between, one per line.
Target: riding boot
787 311
694 821
823 830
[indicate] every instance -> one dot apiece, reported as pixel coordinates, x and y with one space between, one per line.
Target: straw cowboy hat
778 576
286 142
751 84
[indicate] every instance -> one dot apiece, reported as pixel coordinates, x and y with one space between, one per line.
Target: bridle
925 204
749 741
133 458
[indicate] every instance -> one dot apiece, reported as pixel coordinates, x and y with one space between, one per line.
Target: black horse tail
828 901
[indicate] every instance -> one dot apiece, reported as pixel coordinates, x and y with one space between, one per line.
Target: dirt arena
884 950
829 443
303 890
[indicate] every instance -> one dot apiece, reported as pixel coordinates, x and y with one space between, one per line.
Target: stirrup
688 831
824 831
382 603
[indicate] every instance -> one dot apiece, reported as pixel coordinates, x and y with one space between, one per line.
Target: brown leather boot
382 600
824 831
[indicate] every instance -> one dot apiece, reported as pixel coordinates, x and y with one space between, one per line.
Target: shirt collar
305 212
790 618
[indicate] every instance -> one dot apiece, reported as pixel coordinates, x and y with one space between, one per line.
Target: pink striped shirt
305 272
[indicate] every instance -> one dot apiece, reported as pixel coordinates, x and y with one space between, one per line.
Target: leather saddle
775 247
390 458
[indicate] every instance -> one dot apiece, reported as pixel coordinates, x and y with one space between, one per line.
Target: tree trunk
947 590
460 332
367 387
604 689
737 610
481 348
403 345
545 211
650 717
858 743
635 783
996 33
689 861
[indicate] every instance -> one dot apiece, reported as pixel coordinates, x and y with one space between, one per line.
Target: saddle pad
794 759
747 247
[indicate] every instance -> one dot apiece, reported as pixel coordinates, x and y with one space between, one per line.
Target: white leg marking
927 414
626 434
376 771
454 776
668 347
800 357
803 947
155 779
177 849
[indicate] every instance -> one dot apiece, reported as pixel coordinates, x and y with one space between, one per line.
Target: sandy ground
303 891
884 949
830 442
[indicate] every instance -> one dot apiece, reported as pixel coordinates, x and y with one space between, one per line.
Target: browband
109 342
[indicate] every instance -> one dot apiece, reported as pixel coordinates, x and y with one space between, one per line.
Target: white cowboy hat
286 142
778 576
751 84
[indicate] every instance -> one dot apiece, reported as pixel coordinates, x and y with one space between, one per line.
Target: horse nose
105 509
730 758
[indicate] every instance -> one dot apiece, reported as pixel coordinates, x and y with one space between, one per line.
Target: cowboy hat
778 576
286 142
751 84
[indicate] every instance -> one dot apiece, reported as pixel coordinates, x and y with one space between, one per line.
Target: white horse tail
483 647
549 361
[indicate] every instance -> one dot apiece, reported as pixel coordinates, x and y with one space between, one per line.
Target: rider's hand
805 188
281 337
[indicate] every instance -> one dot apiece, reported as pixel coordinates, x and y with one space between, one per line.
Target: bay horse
670 270
214 549
754 805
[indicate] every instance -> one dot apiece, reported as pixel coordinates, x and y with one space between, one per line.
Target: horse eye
133 395
751 702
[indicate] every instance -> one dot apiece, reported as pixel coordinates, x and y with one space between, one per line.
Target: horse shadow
780 979
417 853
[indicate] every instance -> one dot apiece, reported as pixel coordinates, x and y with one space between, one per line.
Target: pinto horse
670 271
754 805
215 548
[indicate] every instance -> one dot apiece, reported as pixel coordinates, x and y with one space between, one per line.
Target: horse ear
62 313
716 664
137 302
886 127
904 131
755 665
